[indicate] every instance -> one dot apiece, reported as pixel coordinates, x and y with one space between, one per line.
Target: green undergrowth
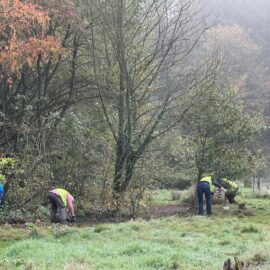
189 243
166 196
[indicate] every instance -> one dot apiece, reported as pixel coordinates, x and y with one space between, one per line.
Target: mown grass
189 243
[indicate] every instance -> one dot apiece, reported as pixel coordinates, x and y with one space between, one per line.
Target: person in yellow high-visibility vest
206 186
60 200
232 189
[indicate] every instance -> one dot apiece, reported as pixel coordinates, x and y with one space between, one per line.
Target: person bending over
206 186
232 189
61 201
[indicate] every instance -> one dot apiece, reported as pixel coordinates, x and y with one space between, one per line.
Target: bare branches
142 44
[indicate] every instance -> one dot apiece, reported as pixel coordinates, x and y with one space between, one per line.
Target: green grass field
189 243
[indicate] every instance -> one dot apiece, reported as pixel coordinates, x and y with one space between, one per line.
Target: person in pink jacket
61 200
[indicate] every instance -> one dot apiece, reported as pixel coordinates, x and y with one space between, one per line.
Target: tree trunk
259 183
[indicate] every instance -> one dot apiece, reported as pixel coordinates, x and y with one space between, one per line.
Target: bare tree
136 46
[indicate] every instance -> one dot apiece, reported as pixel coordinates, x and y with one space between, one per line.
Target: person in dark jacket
206 186
1 193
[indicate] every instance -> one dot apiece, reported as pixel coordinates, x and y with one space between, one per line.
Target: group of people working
62 201
60 198
206 186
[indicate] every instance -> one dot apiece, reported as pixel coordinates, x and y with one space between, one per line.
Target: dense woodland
111 99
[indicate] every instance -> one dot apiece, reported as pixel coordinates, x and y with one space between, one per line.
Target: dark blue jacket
1 192
215 183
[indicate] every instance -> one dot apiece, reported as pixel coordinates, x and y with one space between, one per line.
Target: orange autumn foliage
61 10
23 36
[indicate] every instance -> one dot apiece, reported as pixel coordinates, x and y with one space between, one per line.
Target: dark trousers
230 197
57 205
204 188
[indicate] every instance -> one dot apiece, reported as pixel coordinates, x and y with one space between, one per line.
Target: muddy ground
92 218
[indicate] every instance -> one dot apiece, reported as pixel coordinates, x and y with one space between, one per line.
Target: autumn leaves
26 36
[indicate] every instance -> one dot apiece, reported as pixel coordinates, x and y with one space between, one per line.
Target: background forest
113 99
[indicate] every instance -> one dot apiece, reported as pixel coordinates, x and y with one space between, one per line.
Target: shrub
250 229
176 195
260 258
21 216
61 230
100 228
33 231
14 216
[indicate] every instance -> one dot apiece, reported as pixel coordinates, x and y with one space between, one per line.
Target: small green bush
61 230
21 216
176 195
33 231
14 216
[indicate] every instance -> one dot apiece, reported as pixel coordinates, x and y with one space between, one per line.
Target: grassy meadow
190 243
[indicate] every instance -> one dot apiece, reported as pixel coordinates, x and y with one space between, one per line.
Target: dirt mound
243 211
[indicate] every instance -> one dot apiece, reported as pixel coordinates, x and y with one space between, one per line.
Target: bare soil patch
170 210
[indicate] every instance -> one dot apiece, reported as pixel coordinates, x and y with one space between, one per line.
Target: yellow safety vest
208 179
231 184
63 194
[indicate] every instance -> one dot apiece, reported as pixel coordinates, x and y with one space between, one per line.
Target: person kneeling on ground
60 199
232 189
206 186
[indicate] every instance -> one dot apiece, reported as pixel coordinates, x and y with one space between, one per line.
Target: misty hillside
253 15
